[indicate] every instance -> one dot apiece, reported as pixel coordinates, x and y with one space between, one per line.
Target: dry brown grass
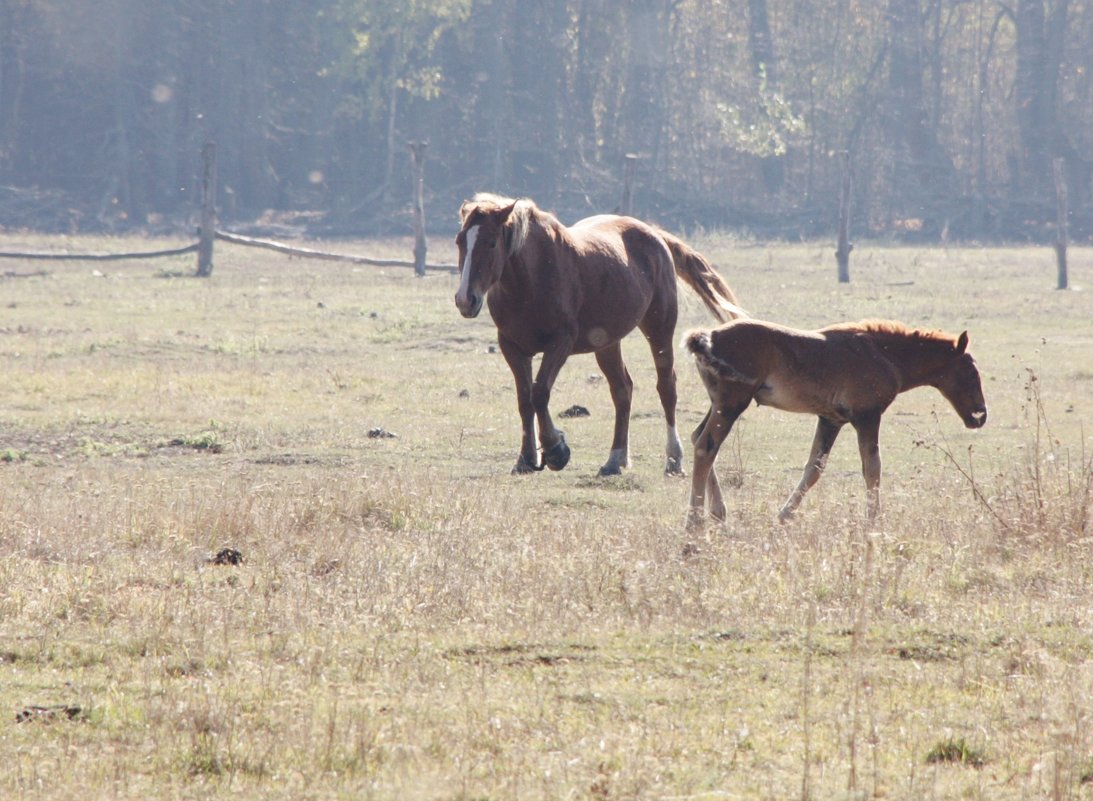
411 622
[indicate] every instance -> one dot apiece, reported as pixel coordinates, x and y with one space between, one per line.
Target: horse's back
633 236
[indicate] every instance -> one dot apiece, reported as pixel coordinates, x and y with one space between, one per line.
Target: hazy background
951 110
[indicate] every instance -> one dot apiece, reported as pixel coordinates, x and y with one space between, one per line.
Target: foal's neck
918 356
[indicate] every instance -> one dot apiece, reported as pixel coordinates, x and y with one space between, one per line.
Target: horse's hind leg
826 432
660 342
622 392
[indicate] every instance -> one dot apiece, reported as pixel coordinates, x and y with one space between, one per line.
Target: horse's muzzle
976 419
469 306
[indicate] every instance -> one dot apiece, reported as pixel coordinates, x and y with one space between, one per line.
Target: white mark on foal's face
461 296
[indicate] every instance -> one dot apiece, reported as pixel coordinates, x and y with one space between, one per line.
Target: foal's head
490 233
960 384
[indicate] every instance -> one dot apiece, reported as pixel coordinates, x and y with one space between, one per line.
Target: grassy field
409 621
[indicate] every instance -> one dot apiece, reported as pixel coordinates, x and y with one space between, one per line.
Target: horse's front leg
520 364
869 447
822 442
555 450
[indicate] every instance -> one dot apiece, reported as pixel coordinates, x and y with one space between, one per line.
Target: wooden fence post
417 154
629 167
1061 227
842 253
207 232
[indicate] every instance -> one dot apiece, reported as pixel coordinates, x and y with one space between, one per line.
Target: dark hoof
610 470
558 456
674 467
523 467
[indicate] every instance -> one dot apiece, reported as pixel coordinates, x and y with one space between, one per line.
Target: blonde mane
524 214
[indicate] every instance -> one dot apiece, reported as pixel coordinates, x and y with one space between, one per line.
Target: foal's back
832 372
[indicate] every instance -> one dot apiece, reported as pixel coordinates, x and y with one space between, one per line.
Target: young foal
560 290
848 373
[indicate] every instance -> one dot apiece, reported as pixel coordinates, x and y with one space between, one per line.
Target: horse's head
961 385
483 249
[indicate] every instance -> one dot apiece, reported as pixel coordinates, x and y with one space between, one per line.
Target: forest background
739 113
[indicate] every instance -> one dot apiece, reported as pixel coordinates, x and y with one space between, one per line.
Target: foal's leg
555 450
528 460
869 447
713 486
707 442
826 432
622 392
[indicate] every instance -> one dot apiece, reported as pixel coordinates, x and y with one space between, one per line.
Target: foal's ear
962 342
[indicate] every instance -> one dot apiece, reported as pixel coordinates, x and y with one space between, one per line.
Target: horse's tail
697 273
700 344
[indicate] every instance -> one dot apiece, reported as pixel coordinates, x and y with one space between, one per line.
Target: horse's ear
464 210
962 342
505 211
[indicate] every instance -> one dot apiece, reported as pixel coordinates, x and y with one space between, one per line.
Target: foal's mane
525 214
897 330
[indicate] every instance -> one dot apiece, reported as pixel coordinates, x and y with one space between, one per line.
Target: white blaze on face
463 295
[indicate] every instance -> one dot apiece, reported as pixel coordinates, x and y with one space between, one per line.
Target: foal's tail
697 273
699 343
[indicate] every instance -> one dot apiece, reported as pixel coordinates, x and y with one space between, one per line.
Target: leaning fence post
417 154
207 232
1060 232
842 253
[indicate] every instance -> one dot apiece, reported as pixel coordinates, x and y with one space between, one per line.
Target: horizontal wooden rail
150 254
310 253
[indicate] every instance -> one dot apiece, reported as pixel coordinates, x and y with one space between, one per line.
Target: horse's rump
695 271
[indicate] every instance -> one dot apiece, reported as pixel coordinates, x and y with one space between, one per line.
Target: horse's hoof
523 467
674 467
558 456
610 469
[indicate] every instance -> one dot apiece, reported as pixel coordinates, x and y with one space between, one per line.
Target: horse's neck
523 265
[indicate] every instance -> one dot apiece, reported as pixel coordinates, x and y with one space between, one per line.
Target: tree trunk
765 67
643 98
909 130
1041 34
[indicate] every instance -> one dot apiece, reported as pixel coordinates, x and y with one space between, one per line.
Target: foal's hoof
558 456
674 467
696 521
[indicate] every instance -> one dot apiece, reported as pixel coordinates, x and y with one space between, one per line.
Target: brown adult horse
848 373
560 290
